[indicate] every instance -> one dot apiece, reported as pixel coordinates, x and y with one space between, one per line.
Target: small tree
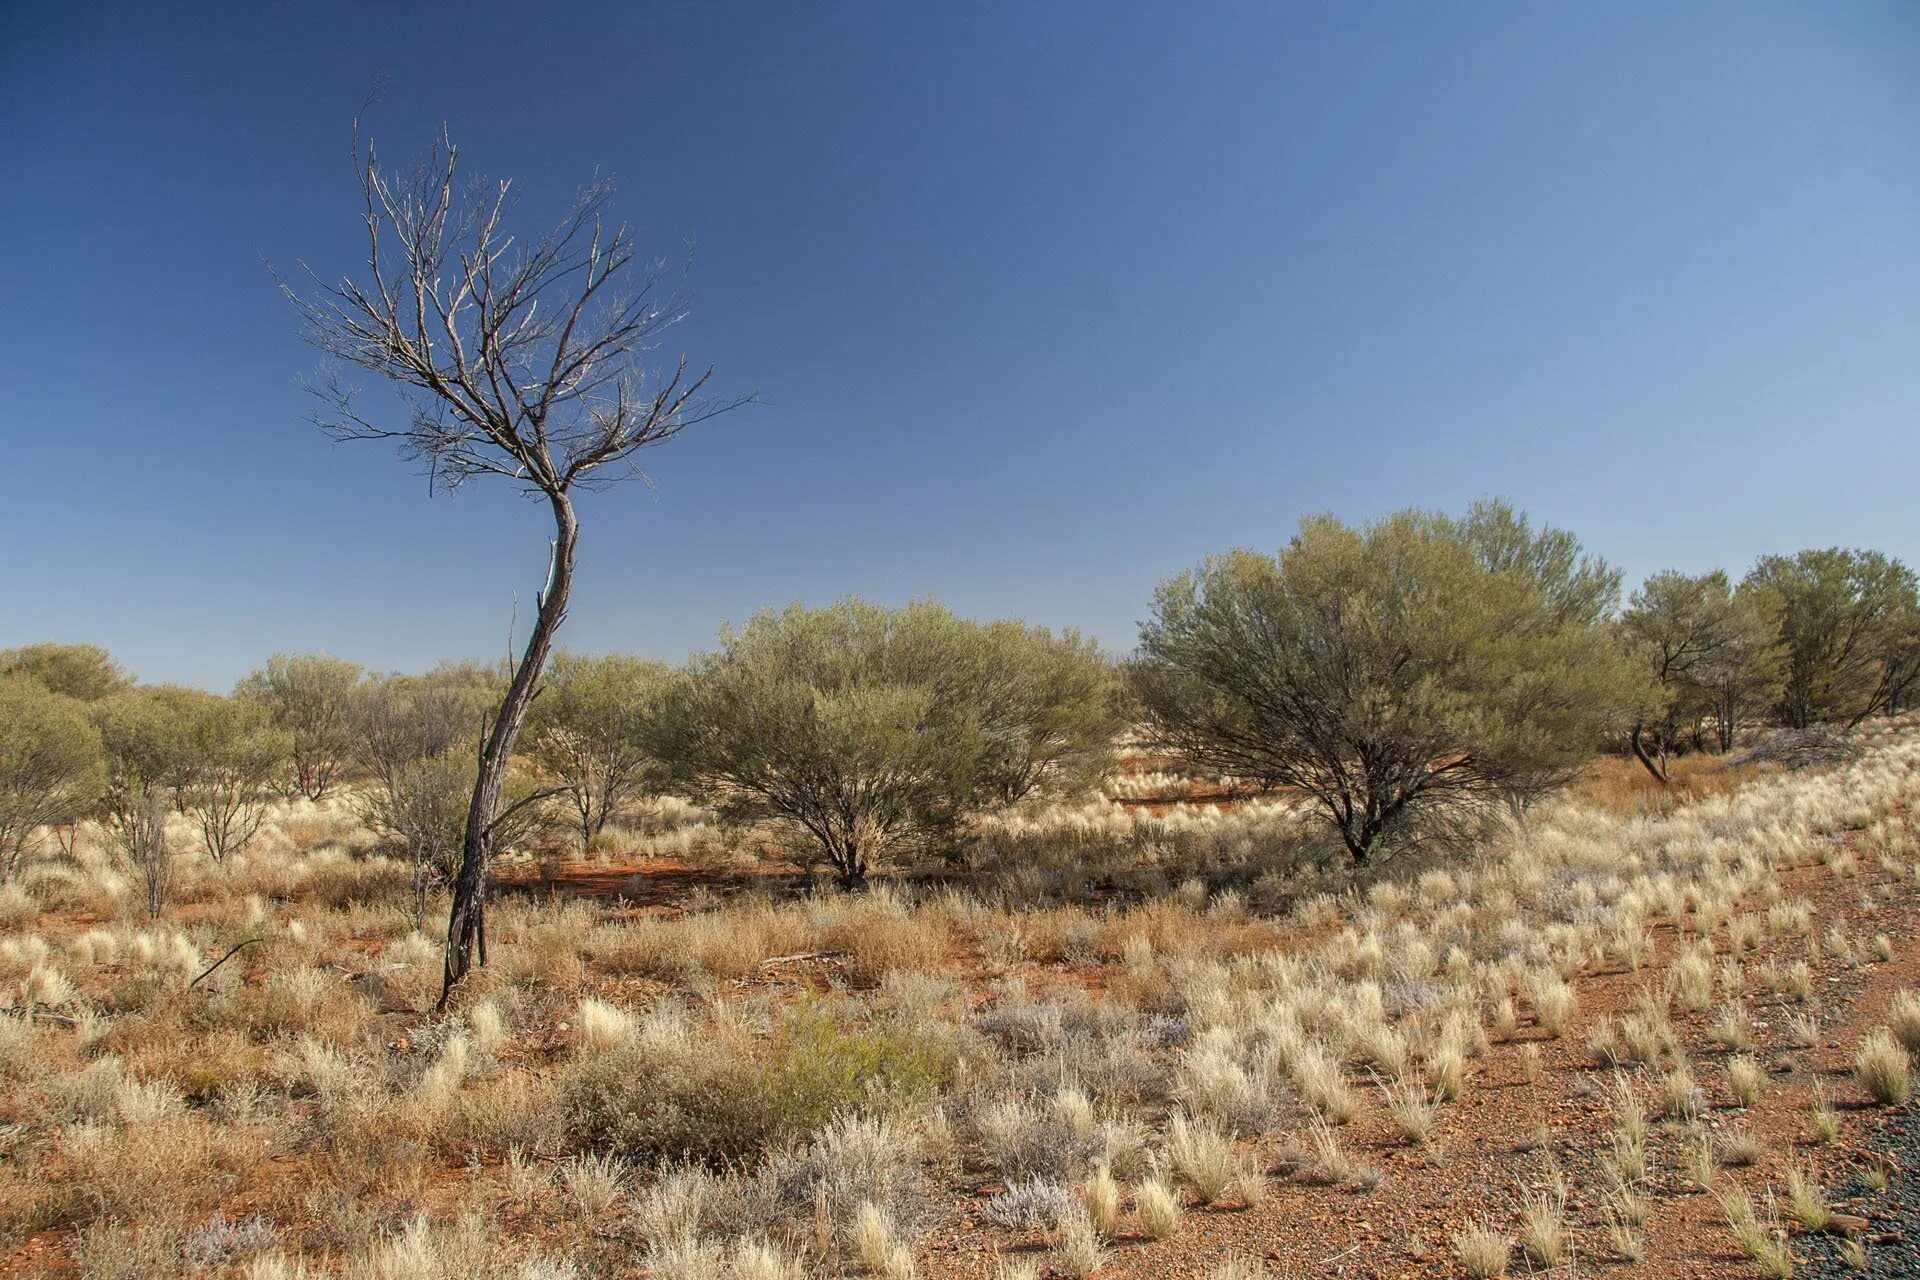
1742 681
52 765
146 735
1418 668
1896 655
231 756
520 358
587 731
85 672
1707 649
423 808
400 719
871 733
310 697
1844 618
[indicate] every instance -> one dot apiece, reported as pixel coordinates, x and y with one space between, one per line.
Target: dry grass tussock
771 1087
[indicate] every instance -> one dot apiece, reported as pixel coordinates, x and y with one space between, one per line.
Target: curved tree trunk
466 923
1636 739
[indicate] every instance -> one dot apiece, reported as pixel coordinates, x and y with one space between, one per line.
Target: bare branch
521 359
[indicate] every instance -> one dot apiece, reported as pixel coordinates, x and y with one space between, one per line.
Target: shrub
1029 1202
869 733
400 719
52 765
587 731
1459 663
311 698
232 755
718 1096
816 1066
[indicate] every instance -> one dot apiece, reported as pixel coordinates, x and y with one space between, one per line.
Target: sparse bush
587 730
310 697
423 806
869 733
52 765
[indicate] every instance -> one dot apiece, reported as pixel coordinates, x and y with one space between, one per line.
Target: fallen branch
222 960
798 956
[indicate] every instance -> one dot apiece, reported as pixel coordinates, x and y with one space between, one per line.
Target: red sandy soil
1484 1149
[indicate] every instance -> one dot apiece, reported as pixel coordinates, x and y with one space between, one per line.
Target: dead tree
514 358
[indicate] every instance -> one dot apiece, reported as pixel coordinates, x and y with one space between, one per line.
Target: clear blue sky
1045 300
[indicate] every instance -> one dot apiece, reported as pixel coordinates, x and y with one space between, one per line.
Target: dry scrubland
1634 1035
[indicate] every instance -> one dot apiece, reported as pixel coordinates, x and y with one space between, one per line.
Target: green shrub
51 765
720 1096
1419 668
816 1066
870 733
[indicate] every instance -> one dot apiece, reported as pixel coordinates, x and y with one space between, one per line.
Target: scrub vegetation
884 942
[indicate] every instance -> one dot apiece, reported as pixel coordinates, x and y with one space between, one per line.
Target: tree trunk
1658 770
466 923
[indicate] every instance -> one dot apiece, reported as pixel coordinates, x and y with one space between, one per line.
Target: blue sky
1044 302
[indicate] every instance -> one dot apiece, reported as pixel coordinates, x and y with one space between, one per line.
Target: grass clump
1882 1069
1484 1252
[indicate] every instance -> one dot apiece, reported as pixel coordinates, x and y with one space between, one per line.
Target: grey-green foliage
587 731
1419 668
1711 651
871 733
213 758
1850 625
400 719
310 697
423 808
82 671
52 765
236 757
146 752
419 737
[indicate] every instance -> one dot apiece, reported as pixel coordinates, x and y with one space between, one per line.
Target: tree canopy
1416 668
587 730
52 766
871 733
83 671
1849 622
